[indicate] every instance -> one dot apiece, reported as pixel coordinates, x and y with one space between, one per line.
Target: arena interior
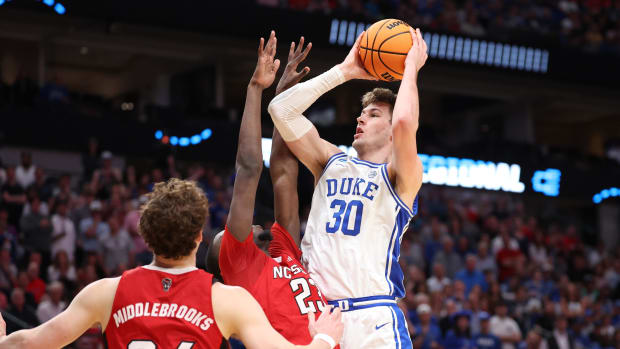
519 212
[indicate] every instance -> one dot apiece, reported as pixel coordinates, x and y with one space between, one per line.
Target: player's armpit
90 307
313 151
238 314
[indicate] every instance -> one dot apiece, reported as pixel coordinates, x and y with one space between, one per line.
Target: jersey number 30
342 223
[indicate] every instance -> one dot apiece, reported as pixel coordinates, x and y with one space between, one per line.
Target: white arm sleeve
286 108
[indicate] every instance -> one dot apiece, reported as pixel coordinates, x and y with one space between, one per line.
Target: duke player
170 303
361 206
278 281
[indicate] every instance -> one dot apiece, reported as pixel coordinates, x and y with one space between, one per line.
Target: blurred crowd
593 25
481 270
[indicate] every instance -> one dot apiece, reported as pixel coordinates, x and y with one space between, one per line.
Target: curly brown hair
378 94
173 217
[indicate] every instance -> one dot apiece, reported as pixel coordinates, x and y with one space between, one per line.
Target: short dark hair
378 94
173 217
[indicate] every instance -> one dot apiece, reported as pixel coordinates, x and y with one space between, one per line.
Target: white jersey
352 240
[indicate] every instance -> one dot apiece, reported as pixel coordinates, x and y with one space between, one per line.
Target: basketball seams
366 52
384 51
379 51
372 55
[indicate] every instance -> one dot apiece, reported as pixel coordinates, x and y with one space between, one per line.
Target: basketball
384 47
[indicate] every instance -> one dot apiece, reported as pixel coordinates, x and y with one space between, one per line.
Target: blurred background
517 237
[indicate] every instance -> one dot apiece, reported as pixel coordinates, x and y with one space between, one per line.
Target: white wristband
326 338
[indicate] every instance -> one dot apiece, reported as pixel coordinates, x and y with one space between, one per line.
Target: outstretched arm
286 111
283 164
249 162
90 307
238 314
405 166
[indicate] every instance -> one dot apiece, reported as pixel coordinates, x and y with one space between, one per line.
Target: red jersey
279 283
163 308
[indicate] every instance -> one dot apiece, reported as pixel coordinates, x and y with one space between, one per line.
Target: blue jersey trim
396 339
388 257
367 163
364 163
395 273
393 192
332 158
403 332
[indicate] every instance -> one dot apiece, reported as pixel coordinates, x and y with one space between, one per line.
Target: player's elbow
404 125
275 109
247 167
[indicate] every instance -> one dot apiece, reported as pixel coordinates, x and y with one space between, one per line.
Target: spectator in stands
432 234
63 236
485 339
439 280
117 246
507 258
63 191
54 91
8 234
106 177
37 230
459 336
90 160
21 311
561 338
534 341
142 254
427 334
505 327
93 229
25 172
41 187
485 262
36 285
53 304
8 270
14 197
62 270
470 276
448 257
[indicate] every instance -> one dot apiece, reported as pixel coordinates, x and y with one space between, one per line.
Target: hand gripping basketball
418 53
352 66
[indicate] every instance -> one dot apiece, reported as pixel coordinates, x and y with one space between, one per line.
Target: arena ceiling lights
605 194
458 48
182 141
55 5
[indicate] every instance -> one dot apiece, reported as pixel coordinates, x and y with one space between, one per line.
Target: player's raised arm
284 167
90 307
238 314
249 160
405 165
287 109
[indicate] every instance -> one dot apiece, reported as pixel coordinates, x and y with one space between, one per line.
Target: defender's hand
266 67
352 66
417 54
329 323
290 77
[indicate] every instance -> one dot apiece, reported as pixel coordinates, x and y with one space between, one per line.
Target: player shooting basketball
361 206
170 303
278 282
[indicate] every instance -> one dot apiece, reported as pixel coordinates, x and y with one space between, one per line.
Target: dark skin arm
249 162
284 166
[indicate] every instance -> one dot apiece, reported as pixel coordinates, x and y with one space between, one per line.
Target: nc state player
279 282
170 303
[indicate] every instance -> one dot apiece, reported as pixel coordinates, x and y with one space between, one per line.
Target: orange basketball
384 47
